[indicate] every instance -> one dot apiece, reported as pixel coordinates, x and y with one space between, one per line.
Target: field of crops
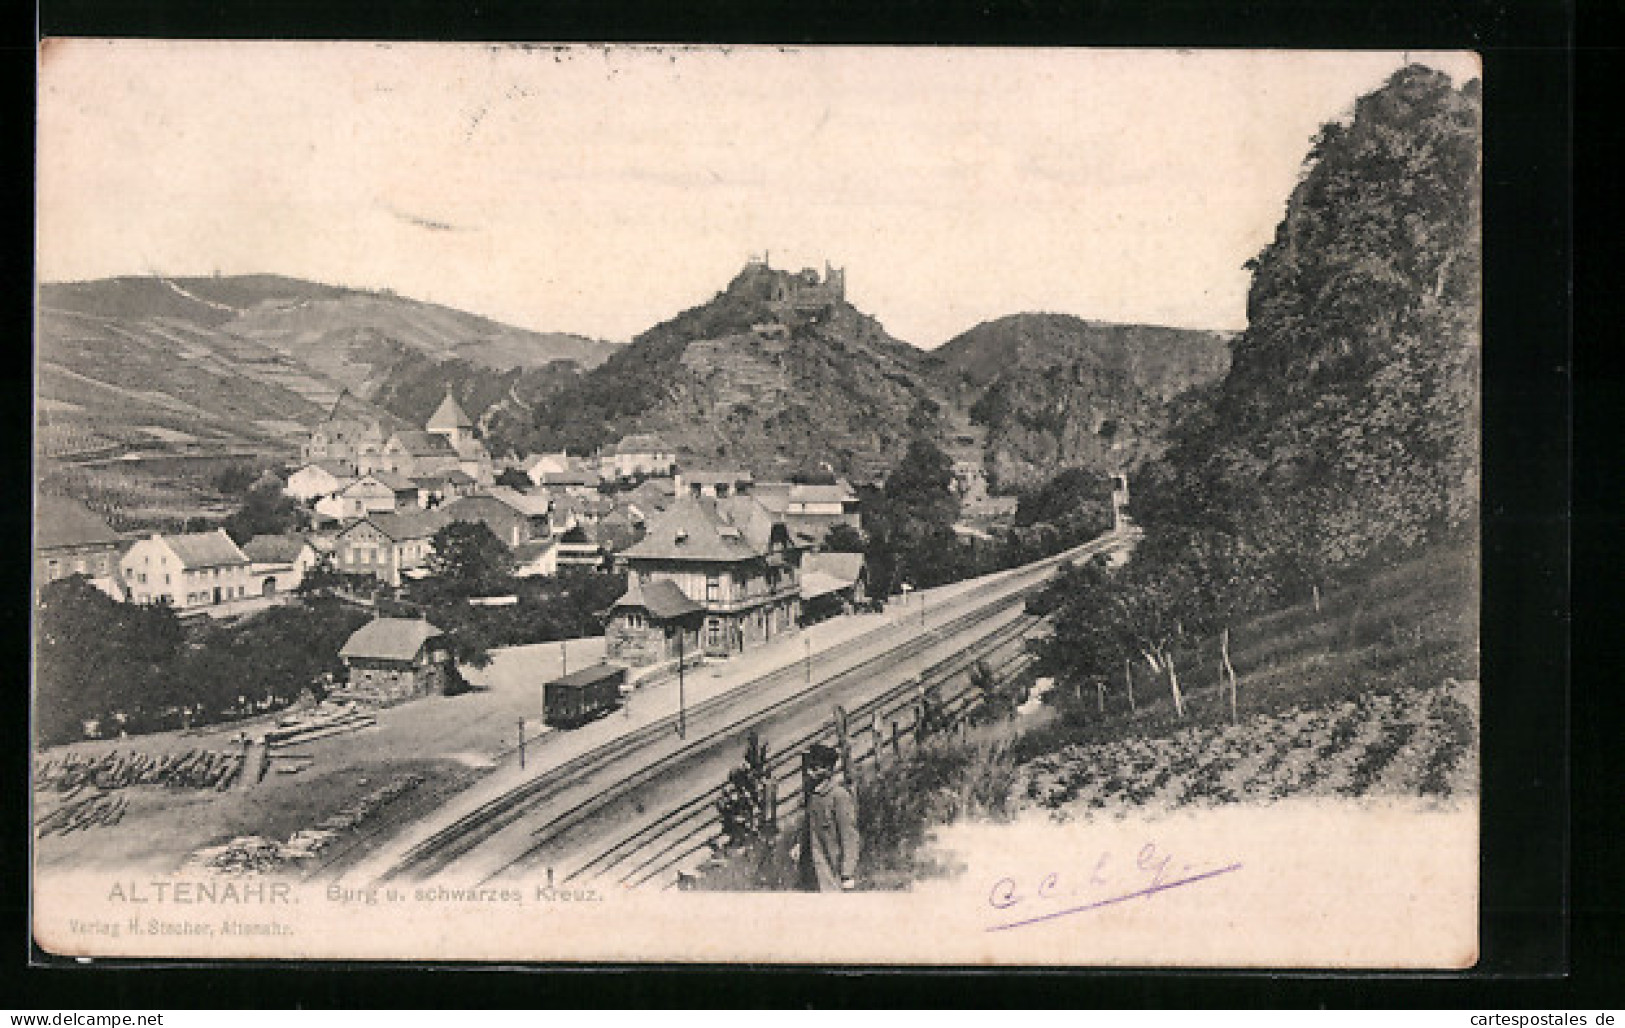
1412 742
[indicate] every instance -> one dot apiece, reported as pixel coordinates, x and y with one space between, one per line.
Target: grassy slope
1349 700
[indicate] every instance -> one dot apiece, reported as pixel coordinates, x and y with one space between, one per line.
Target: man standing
829 836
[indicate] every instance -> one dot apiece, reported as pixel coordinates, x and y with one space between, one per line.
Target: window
713 632
713 589
54 565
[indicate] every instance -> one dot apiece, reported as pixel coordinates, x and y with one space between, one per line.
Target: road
630 801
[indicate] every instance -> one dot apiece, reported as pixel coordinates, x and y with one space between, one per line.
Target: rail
470 830
673 835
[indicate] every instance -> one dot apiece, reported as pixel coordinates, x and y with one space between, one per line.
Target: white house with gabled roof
199 569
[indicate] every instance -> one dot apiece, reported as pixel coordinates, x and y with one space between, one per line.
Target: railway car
582 695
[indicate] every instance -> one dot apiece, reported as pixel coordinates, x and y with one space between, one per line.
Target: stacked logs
191 769
98 808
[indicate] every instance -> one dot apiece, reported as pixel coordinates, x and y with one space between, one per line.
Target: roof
524 503
59 521
529 551
399 483
336 468
821 494
661 598
660 488
402 526
205 549
642 444
481 508
733 529
846 567
591 478
713 477
815 584
449 416
775 496
274 549
389 639
423 444
613 534
589 675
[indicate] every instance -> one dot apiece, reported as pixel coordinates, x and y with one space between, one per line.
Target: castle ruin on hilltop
803 290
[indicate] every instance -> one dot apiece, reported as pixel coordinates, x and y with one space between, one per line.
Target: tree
234 479
513 478
97 659
468 558
844 539
266 510
920 487
1074 494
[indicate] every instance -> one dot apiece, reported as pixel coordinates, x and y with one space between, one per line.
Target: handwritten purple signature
1042 902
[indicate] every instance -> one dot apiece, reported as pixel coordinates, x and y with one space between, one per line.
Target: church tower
451 422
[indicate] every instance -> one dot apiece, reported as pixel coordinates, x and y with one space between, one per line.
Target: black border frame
1526 913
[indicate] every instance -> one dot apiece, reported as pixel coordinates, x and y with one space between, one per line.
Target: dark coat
829 838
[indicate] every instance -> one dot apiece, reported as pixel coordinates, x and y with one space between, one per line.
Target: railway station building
730 557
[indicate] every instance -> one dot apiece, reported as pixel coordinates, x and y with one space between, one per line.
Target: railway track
661 847
447 845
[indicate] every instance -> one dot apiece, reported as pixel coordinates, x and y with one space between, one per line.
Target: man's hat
822 755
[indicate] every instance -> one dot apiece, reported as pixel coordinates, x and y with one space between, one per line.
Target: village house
577 547
387 546
319 479
549 464
457 428
347 437
831 584
650 497
640 455
71 540
812 510
395 659
379 492
186 571
733 558
566 511
506 523
415 454
577 482
433 490
714 484
653 623
536 508
278 563
538 558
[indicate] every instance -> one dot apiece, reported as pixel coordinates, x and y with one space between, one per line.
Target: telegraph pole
808 644
521 744
564 657
682 707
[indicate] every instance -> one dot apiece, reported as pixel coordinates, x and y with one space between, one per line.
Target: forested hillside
1057 392
1344 436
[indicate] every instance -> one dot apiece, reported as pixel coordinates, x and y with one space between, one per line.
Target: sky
602 190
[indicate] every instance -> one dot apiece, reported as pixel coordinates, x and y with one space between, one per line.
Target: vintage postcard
906 506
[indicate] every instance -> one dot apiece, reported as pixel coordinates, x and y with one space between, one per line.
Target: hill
776 373
247 362
1053 391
